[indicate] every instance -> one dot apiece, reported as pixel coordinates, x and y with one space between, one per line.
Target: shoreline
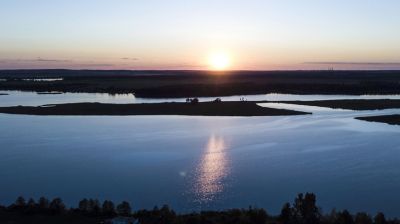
96 211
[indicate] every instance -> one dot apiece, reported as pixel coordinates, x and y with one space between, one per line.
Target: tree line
57 206
303 210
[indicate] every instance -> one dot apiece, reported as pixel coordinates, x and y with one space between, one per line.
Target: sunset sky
201 34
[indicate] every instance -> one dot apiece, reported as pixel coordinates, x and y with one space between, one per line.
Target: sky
188 34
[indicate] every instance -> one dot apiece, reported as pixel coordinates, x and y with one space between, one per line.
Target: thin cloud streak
39 59
353 63
50 60
94 64
130 59
52 63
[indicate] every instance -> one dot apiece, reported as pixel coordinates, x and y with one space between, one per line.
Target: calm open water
194 163
16 98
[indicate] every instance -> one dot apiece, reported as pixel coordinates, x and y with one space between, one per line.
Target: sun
219 61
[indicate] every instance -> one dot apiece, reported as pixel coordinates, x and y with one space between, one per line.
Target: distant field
166 84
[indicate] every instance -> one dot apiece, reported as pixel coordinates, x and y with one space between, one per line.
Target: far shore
182 84
236 108
49 93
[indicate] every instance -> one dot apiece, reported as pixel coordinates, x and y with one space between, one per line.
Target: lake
194 163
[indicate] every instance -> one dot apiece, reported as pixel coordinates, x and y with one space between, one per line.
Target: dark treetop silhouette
304 210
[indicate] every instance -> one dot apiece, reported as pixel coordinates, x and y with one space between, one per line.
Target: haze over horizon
191 35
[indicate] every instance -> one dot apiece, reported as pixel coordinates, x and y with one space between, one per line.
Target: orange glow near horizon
219 61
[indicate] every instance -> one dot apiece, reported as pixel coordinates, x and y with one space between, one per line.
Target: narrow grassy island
244 109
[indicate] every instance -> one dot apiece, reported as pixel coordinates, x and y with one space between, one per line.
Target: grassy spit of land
388 119
376 104
240 108
169 84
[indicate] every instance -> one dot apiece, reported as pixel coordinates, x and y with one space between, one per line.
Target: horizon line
196 70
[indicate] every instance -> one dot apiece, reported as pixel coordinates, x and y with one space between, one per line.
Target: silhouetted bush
192 100
344 217
217 100
124 209
380 218
362 218
304 211
43 204
83 205
19 203
57 206
286 216
108 208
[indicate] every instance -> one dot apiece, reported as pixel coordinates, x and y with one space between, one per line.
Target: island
234 108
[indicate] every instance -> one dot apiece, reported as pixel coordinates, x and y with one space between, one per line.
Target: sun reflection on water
212 170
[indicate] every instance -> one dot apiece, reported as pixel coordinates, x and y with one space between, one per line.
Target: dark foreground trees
124 209
303 210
